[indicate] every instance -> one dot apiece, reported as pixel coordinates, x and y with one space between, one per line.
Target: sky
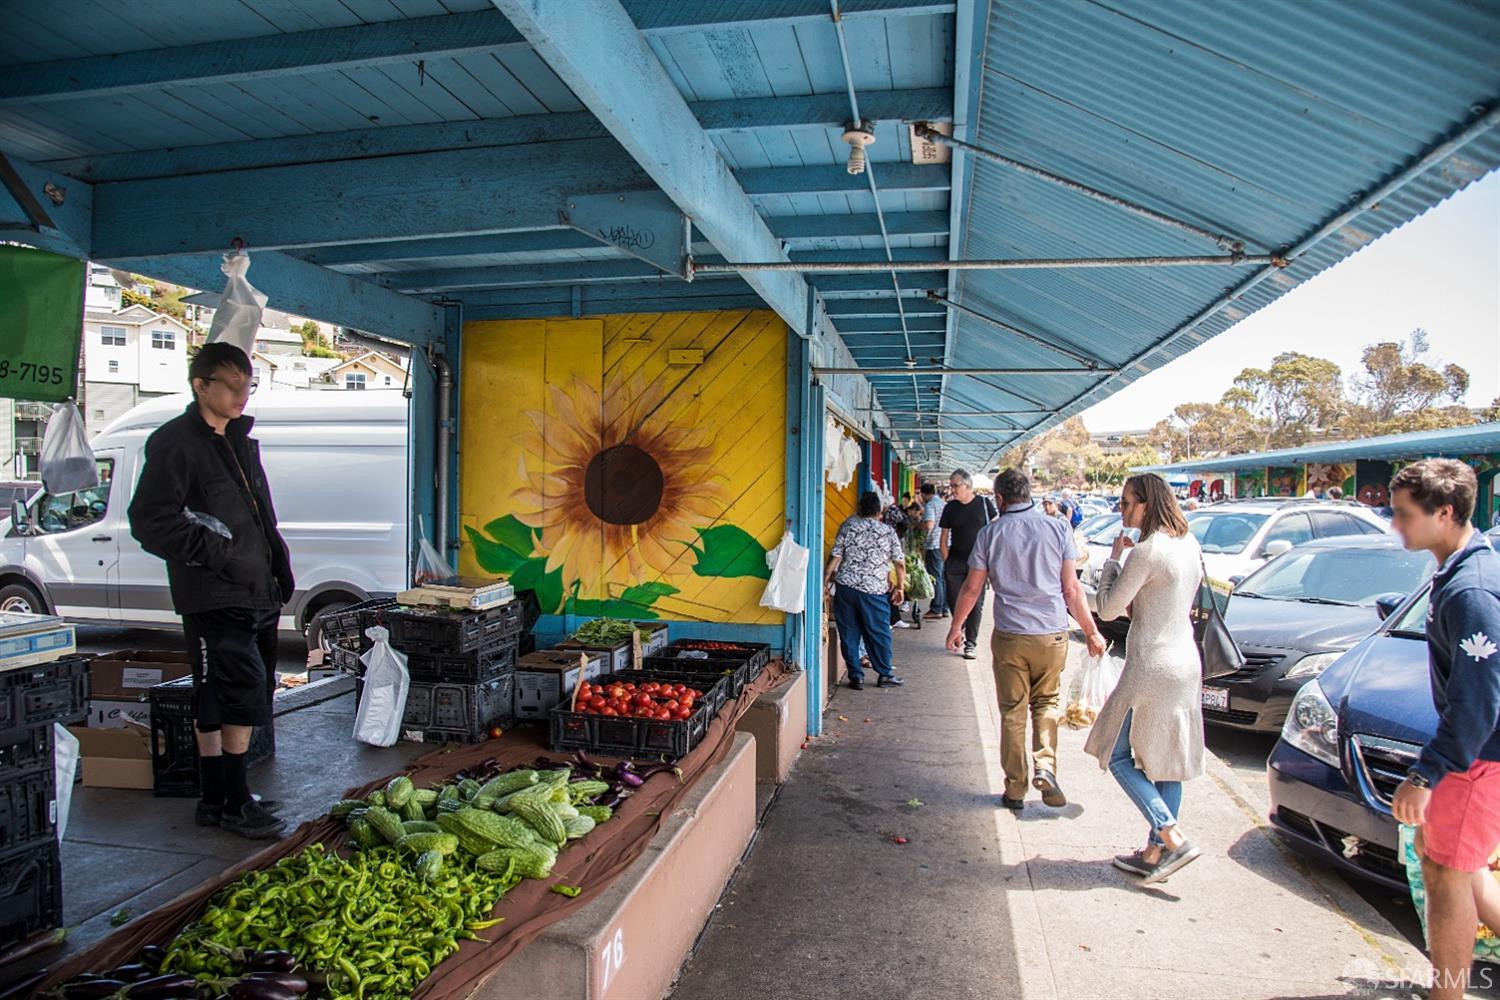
1440 272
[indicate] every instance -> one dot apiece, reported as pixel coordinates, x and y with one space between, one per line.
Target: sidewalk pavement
979 902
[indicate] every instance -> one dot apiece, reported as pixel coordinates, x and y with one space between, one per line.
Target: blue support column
422 452
453 352
804 512
866 481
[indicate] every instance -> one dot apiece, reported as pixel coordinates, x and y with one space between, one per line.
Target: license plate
1216 698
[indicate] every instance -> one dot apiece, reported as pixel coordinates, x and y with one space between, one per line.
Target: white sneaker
901 624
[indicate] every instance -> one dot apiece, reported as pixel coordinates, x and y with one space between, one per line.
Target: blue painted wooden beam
859 308
595 48
621 292
792 228
586 307
458 192
374 44
304 289
762 181
72 220
738 115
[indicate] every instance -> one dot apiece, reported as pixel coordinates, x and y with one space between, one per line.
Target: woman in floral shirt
859 572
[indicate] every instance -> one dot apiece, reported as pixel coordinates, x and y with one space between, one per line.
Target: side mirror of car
1386 604
1276 548
1234 581
19 522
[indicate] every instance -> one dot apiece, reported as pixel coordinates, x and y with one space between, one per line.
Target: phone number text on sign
28 372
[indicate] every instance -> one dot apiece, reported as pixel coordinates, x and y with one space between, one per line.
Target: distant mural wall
629 465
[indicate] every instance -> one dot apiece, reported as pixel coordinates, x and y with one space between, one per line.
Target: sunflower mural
611 481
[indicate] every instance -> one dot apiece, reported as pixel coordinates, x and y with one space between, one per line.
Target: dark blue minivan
1349 738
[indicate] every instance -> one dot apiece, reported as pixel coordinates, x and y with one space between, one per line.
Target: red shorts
1462 829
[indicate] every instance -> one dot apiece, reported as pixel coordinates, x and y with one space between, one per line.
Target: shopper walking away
961 522
859 572
1028 558
204 506
1452 793
1149 733
932 551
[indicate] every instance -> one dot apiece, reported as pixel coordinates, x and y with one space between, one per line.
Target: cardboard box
115 758
120 685
547 677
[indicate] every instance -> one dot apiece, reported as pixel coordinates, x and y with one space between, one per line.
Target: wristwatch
1417 779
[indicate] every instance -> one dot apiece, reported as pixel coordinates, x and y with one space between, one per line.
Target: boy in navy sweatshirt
1452 793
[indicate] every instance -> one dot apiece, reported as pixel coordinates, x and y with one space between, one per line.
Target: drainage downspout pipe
444 440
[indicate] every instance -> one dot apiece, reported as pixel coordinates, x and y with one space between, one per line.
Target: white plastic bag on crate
1091 687
787 588
383 703
65 766
237 319
67 462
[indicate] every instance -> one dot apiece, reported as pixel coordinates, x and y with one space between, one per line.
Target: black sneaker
253 822
857 685
891 681
1135 864
209 815
1014 805
1171 862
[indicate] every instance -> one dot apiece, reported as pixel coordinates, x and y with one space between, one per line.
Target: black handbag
1216 647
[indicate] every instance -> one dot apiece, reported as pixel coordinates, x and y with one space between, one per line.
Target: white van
336 462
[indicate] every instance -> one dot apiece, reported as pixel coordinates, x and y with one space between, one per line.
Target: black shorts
234 666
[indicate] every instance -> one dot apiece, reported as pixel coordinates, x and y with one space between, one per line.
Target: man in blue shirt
1029 559
1452 793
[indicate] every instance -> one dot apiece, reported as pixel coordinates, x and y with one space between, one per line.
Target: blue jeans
863 618
1160 802
932 559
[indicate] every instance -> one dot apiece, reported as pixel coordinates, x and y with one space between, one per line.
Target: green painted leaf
532 575
512 533
647 593
729 551
493 556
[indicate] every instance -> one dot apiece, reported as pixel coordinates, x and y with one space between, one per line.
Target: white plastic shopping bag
65 766
383 704
1092 685
237 319
67 462
787 588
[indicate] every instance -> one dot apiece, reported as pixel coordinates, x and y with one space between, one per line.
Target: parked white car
337 465
1238 537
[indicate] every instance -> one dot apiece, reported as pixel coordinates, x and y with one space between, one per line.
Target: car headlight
1312 726
1311 666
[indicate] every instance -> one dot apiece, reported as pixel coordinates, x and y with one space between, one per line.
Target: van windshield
1224 531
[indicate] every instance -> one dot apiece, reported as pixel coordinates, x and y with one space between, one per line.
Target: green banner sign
41 321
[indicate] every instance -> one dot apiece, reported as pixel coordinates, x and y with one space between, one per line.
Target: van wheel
315 627
20 597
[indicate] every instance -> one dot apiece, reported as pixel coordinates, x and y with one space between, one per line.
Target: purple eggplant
152 956
656 769
96 989
162 988
133 973
260 989
625 775
294 981
266 961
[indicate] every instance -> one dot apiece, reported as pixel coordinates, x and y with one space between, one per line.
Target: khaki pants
1028 675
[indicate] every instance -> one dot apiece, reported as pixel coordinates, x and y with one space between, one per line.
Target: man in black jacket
203 505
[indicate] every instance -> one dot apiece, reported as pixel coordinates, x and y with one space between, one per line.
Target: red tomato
671 704
606 710
683 712
597 702
643 700
616 691
663 715
651 687
688 697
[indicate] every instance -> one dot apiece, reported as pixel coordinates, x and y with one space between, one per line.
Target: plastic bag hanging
382 705
1091 687
430 566
787 588
237 319
67 462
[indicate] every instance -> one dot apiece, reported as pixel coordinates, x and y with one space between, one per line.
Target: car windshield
1413 622
1353 576
1224 531
1105 531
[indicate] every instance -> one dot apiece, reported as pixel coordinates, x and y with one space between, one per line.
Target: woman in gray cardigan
1150 731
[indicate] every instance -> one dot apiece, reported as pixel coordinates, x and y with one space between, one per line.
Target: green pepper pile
369 922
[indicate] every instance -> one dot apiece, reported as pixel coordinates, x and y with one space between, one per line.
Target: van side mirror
1234 581
1386 604
19 522
1276 548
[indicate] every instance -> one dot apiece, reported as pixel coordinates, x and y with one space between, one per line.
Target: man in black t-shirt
963 517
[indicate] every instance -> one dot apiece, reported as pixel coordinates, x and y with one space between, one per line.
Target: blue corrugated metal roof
1479 439
1261 120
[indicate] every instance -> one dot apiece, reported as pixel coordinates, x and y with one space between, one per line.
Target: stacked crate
174 741
32 700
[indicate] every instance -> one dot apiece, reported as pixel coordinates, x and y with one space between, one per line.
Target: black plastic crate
27 749
465 668
526 644
740 667
174 743
343 656
350 623
439 632
30 893
629 737
41 695
458 712
28 809
736 673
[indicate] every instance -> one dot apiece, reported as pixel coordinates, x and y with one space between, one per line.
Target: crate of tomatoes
638 712
738 662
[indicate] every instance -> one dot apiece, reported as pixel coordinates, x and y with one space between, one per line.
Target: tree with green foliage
1297 395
